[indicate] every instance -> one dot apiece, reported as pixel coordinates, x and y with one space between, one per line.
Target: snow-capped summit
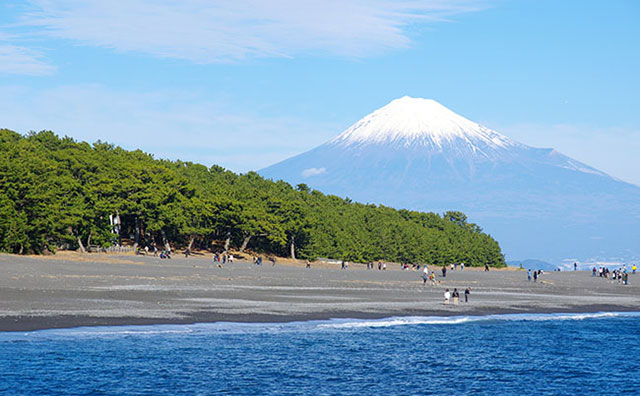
414 122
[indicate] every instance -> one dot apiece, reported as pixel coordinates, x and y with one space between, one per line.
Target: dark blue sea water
594 354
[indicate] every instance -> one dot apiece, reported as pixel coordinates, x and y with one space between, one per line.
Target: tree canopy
59 192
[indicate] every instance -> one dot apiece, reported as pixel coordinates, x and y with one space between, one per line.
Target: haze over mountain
417 154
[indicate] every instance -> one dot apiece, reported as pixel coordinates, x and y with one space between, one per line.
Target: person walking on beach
466 294
486 267
456 296
535 276
444 271
309 264
633 269
447 296
529 274
425 276
461 266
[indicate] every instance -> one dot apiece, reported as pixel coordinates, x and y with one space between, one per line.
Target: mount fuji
417 154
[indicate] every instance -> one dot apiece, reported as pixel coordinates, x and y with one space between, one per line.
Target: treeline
57 192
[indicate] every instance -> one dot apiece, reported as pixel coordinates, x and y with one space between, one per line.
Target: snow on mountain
417 154
424 122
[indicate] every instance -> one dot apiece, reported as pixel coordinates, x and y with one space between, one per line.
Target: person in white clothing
447 296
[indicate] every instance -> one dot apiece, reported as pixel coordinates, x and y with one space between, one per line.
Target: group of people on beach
164 254
381 266
222 258
535 275
454 267
448 296
431 275
257 260
619 275
428 275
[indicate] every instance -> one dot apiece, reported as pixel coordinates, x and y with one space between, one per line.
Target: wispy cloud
313 172
205 31
18 59
171 124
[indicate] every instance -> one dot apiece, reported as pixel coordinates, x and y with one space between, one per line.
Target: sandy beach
72 289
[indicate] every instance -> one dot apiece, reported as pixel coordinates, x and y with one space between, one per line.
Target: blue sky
245 84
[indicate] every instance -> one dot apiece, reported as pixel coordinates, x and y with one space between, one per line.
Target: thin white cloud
313 172
15 59
205 31
170 124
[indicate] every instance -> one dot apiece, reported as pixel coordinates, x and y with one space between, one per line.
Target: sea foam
288 327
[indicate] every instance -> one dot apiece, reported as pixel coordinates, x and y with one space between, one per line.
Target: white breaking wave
408 321
292 327
454 320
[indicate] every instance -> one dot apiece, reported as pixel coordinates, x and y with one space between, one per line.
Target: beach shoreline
75 290
29 324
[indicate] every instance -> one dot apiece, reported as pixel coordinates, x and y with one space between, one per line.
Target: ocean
545 354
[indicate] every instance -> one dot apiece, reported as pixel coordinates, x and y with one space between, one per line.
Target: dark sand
69 290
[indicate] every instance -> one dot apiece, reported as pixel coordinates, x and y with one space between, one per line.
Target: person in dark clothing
535 276
486 267
444 271
466 294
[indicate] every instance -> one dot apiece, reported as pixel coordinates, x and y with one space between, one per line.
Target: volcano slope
417 154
